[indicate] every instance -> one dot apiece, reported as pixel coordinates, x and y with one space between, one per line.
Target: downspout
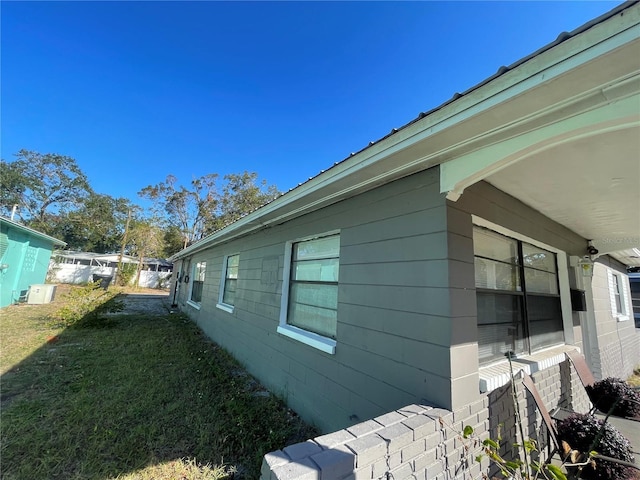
177 285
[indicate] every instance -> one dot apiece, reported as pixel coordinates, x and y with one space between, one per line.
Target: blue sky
135 91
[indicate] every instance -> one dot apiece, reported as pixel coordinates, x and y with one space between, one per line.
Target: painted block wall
422 442
618 345
27 259
394 332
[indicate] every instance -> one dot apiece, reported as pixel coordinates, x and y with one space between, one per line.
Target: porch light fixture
586 266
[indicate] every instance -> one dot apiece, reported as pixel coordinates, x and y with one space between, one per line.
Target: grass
136 397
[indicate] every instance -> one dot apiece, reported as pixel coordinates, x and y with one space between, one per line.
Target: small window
229 282
310 299
619 294
197 282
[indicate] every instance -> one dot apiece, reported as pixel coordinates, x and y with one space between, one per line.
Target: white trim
192 276
563 273
193 304
624 296
223 281
314 340
225 307
498 374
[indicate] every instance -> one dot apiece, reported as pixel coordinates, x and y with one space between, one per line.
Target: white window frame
563 274
624 295
325 344
190 302
223 281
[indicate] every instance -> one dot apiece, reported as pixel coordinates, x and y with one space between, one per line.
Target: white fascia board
596 41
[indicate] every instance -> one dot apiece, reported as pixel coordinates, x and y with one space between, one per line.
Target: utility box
41 293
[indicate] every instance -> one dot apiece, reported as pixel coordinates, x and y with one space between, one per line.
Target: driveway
145 303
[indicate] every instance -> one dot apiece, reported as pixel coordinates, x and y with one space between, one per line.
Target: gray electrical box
41 293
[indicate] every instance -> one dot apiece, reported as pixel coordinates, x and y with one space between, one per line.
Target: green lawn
141 397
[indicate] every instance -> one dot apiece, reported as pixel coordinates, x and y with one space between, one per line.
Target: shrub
580 431
84 305
605 393
126 273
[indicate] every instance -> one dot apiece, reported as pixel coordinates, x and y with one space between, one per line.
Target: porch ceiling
590 185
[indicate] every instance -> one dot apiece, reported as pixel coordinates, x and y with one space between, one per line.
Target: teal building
24 259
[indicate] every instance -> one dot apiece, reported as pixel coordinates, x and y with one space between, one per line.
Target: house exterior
79 267
402 274
24 259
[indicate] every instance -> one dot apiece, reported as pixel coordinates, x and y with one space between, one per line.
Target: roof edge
32 231
236 229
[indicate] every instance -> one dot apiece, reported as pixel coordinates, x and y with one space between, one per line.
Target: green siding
393 332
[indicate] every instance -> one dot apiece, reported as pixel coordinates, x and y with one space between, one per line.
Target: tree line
50 193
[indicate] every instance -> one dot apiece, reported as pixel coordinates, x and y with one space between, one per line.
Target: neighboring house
404 273
24 259
79 267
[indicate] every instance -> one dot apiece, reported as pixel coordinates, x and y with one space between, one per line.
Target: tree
202 209
42 185
95 226
146 240
188 210
241 195
173 241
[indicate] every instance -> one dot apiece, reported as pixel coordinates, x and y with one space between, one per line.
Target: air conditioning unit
41 293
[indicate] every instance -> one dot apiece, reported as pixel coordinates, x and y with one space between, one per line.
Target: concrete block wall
559 386
424 442
415 442
617 349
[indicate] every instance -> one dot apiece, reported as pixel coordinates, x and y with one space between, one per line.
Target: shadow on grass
115 396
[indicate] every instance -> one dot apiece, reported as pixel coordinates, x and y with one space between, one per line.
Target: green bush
84 305
126 272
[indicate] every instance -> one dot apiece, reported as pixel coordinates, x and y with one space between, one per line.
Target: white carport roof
106 257
558 130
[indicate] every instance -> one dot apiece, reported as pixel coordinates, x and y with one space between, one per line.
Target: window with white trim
197 282
518 296
310 291
618 294
229 282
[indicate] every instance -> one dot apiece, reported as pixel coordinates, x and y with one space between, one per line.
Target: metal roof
561 38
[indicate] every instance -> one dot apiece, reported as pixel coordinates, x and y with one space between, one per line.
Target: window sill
225 307
497 374
193 304
314 340
622 318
